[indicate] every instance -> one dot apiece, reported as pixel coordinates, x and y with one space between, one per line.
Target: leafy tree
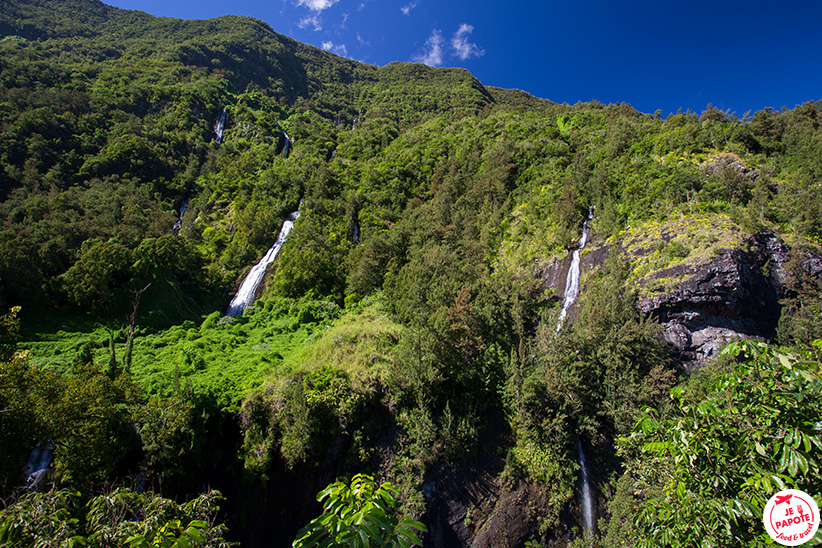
102 268
310 260
359 514
117 518
721 457
165 428
799 322
307 410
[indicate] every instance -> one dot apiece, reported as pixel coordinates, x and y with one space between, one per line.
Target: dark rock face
553 273
735 296
813 264
469 504
514 520
481 514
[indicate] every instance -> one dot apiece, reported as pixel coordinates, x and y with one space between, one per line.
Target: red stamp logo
791 517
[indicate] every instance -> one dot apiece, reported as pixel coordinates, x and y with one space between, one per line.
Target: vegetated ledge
705 280
733 294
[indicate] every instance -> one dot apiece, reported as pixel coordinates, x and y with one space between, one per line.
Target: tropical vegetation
406 325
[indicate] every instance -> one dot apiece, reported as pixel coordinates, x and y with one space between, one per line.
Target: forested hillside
409 327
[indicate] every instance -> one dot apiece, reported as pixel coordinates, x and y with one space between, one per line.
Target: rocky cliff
708 297
736 295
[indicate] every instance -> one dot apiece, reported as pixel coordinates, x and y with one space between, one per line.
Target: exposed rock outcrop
734 296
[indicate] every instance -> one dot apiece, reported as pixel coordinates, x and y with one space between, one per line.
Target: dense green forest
408 328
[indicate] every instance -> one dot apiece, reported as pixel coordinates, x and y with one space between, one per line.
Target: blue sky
665 55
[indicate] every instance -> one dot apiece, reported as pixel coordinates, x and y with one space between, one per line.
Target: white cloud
339 49
317 5
362 40
313 20
433 54
406 10
464 48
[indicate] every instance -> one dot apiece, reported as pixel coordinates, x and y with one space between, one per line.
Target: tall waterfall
587 500
572 281
219 125
287 145
248 288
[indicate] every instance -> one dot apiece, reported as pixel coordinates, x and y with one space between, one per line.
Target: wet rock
552 273
38 466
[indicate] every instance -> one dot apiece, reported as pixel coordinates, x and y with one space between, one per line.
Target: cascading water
179 224
248 288
356 232
571 294
587 500
37 466
572 281
219 125
287 145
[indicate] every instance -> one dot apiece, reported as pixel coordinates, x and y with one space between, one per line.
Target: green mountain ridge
250 51
408 326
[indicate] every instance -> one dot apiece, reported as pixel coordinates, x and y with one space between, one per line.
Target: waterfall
287 144
572 281
248 288
587 500
179 224
219 125
37 466
356 232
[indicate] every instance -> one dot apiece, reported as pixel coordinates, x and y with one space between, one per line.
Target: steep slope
408 327
248 51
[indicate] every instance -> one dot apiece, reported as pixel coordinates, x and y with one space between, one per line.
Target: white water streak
219 125
585 494
179 224
248 289
572 280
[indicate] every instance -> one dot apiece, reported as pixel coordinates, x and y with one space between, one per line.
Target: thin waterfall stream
179 224
586 499
248 288
219 125
571 294
572 280
38 465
